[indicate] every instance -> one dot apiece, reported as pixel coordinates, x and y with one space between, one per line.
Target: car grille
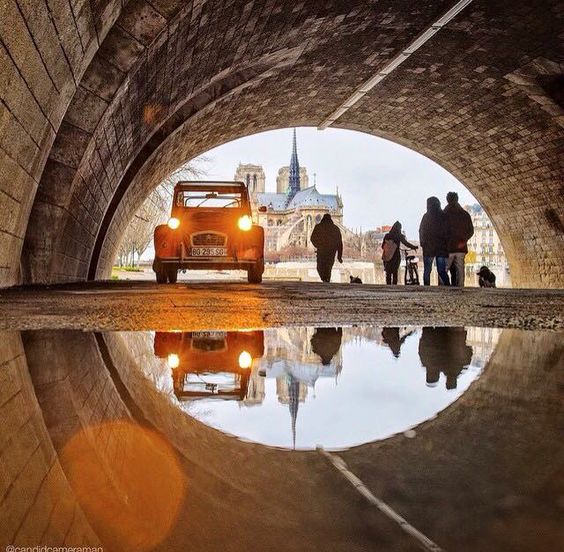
209 239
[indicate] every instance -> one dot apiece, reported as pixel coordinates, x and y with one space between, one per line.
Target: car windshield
209 199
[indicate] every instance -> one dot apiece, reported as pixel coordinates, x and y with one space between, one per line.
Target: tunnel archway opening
364 181
142 85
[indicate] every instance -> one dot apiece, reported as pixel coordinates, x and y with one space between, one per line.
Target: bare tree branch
154 211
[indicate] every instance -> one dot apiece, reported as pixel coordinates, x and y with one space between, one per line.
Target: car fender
166 242
251 244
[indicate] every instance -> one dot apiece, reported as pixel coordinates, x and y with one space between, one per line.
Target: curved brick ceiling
146 85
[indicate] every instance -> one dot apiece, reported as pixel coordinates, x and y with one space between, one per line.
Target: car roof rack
219 185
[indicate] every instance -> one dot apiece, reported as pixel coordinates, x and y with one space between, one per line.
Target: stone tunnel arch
102 94
152 173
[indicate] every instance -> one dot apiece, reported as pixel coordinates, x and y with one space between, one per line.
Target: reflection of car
210 364
210 228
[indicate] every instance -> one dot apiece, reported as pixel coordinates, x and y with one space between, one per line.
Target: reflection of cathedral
293 211
292 357
290 361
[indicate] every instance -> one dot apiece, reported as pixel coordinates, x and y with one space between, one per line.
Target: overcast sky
376 395
380 181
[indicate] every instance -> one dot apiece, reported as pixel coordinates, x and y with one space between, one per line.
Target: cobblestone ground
221 305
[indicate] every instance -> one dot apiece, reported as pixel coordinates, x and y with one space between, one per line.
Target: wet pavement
199 306
154 440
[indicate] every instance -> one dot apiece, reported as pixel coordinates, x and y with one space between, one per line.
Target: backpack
389 249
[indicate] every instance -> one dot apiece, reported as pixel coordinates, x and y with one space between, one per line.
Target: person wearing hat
486 277
433 237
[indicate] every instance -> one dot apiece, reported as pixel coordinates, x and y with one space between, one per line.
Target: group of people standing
443 235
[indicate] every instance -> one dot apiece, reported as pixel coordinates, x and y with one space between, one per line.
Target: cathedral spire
294 404
294 172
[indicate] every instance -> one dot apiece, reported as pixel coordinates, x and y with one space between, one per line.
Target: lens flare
245 223
245 360
173 360
173 223
128 481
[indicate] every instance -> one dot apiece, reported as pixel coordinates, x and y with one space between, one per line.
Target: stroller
411 277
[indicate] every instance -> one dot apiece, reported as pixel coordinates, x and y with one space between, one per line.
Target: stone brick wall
77 398
45 47
37 505
106 97
136 27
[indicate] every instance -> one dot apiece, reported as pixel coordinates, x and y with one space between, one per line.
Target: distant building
283 179
483 342
253 176
485 243
294 210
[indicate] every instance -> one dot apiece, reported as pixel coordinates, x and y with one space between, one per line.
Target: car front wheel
254 274
172 274
160 272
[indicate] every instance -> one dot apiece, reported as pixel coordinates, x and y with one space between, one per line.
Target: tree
154 211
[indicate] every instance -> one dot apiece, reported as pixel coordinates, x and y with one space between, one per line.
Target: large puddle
304 387
98 433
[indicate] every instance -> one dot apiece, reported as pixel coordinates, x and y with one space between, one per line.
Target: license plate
209 252
208 335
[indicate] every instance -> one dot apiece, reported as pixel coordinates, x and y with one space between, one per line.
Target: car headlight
173 223
245 360
245 223
173 360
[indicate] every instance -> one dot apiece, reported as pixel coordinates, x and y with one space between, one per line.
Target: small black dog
355 280
486 277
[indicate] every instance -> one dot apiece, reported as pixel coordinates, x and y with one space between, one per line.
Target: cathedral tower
294 173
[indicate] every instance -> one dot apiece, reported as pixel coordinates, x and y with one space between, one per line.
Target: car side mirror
262 209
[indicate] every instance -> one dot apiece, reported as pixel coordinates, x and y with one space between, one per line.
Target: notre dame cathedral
295 208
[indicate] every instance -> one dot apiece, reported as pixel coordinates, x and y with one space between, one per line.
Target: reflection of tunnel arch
173 79
484 449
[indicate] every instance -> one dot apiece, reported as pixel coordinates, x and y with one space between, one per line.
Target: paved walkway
231 305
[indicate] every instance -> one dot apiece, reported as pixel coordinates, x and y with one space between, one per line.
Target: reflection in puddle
335 387
94 438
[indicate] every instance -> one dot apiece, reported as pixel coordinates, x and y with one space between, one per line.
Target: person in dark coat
326 343
444 350
433 237
326 238
460 230
391 265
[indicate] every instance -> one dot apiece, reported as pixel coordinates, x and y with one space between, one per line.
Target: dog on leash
355 280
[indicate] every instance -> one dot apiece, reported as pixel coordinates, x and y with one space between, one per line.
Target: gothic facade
253 176
293 211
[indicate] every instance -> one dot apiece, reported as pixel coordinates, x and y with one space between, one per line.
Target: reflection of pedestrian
326 343
444 350
391 337
326 238
391 252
